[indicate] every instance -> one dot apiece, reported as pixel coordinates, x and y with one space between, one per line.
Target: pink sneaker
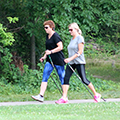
61 100
97 98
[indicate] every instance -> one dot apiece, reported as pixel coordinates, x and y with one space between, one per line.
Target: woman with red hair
54 48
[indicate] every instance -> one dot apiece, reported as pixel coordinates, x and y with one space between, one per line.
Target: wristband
51 51
78 54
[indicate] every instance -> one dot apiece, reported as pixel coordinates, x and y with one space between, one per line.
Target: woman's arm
78 53
57 49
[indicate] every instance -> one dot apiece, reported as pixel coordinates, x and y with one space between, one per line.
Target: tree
93 16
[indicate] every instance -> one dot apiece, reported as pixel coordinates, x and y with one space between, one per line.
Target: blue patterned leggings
49 68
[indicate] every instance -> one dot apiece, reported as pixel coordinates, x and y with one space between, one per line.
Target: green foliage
14 20
98 48
115 23
6 37
5 64
97 19
30 81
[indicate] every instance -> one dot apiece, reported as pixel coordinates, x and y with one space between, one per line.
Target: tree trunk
33 58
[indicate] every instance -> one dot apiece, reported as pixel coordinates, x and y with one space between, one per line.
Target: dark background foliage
21 31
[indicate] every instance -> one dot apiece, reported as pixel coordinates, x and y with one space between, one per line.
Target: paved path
53 102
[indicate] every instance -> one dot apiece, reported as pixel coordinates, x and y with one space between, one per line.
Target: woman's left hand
48 52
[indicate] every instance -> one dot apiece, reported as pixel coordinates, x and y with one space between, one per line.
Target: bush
12 82
30 82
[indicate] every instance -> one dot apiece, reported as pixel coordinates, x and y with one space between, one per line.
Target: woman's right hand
67 60
42 59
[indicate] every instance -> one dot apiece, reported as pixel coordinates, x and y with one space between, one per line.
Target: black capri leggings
81 71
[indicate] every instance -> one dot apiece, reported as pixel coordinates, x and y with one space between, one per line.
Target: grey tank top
73 48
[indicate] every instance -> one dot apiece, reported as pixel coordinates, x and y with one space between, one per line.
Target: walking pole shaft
55 70
79 79
82 82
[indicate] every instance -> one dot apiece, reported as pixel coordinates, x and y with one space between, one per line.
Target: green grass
82 111
105 69
72 95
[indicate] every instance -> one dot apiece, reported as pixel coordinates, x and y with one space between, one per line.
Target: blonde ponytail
79 31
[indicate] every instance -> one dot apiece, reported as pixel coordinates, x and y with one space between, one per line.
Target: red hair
50 23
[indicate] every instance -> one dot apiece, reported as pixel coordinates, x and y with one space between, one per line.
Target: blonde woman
77 61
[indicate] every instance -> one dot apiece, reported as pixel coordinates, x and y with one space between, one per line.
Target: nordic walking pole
55 70
82 82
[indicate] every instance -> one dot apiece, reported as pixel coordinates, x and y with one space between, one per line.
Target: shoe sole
61 103
37 99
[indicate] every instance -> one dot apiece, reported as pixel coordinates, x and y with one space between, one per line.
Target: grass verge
105 69
72 95
84 111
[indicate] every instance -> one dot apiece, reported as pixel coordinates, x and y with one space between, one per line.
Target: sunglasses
70 29
46 27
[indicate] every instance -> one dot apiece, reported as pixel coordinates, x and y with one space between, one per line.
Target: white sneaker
38 98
